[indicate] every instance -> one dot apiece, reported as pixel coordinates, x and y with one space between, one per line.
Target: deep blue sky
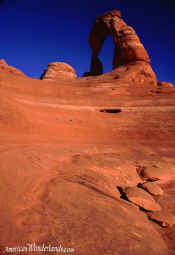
34 33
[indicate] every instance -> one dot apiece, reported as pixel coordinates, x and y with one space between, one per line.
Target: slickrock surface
57 71
67 145
154 174
153 188
164 218
62 157
142 198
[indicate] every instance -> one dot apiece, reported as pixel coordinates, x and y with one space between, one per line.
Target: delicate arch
128 47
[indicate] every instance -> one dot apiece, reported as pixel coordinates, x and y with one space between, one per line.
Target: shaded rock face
58 71
128 48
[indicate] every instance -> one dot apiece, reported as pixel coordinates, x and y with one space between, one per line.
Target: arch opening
106 54
126 47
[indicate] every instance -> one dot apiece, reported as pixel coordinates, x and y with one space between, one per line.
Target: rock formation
154 174
128 47
141 198
87 163
163 218
153 188
128 51
166 84
164 87
58 71
4 67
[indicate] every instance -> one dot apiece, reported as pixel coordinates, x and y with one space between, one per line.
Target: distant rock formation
128 51
166 84
58 71
5 67
128 47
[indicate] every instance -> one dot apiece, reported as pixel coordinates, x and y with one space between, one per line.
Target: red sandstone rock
164 218
165 84
164 87
62 159
4 67
58 71
155 174
128 47
130 61
153 188
142 198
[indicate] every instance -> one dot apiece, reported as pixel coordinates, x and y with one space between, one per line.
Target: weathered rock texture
155 174
142 198
4 67
128 48
58 71
62 157
163 218
153 188
164 87
166 84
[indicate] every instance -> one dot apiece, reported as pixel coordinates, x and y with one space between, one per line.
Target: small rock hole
111 110
122 193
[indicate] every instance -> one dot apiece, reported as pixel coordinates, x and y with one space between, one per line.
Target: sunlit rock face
128 49
58 71
4 67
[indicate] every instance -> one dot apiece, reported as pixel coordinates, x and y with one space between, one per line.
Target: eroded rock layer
128 47
58 71
4 67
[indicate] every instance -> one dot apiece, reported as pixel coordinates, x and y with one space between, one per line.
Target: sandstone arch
128 47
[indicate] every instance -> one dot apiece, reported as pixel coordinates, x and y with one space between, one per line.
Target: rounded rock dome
58 71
